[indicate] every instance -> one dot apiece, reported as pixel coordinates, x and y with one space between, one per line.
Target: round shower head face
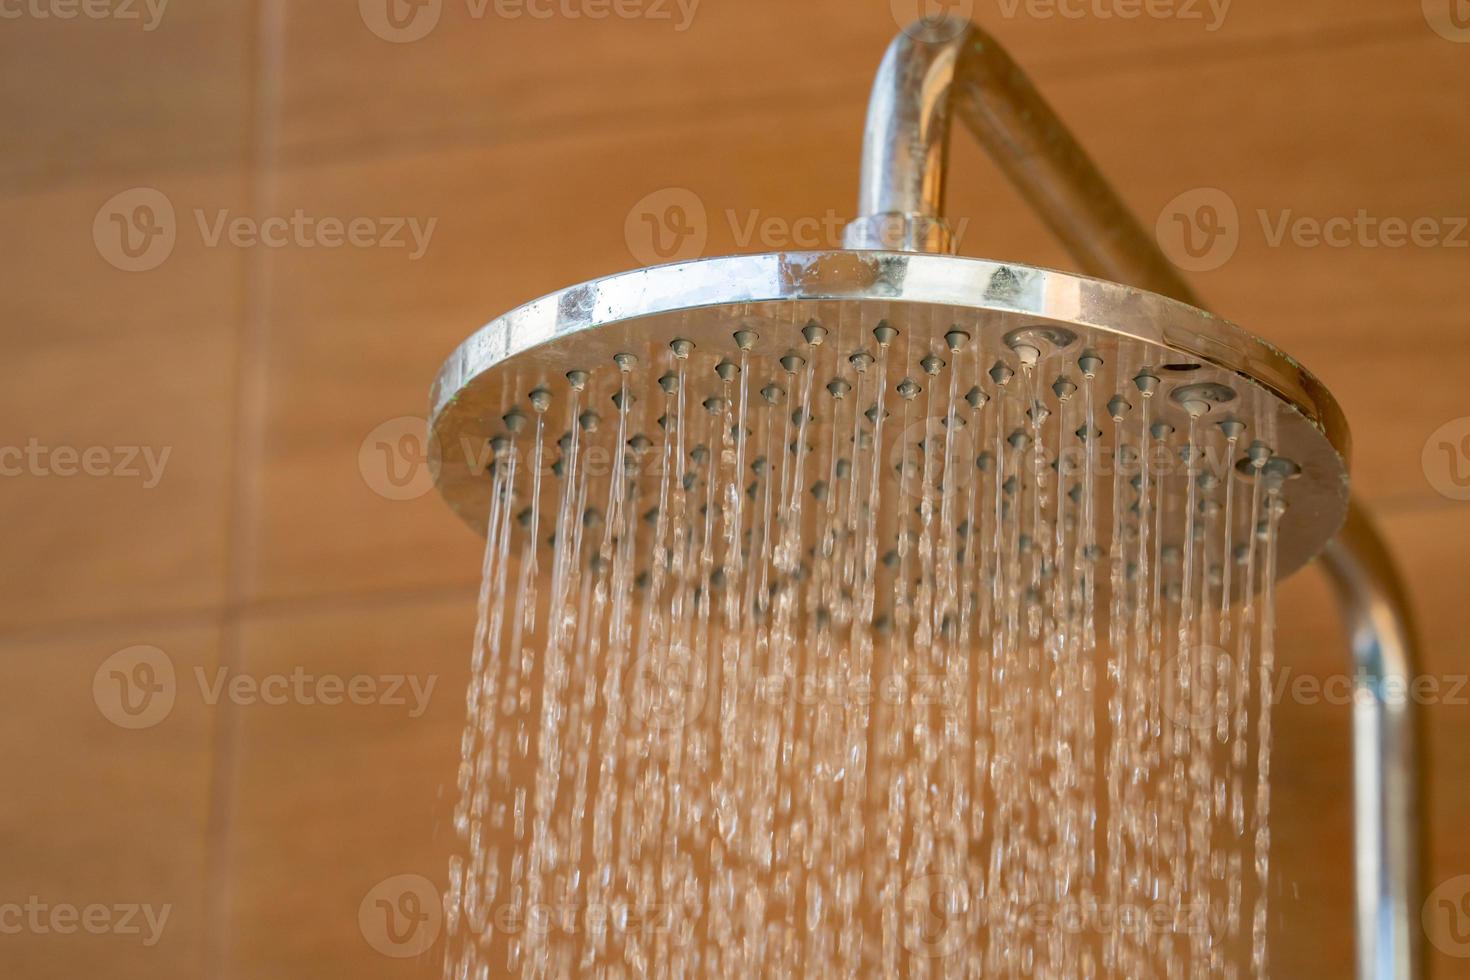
973 362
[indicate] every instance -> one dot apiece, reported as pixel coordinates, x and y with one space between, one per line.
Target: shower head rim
895 277
582 328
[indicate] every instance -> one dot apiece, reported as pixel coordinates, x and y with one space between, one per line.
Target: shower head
950 323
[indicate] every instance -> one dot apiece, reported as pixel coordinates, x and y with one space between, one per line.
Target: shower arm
936 68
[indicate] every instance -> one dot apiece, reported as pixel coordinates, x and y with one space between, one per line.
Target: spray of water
891 655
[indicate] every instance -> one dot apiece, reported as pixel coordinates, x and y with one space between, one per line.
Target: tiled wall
238 518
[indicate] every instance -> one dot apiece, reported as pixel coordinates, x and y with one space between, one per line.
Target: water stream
892 655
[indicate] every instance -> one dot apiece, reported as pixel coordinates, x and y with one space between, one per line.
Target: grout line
1384 507
225 612
1409 504
349 601
263 122
1389 506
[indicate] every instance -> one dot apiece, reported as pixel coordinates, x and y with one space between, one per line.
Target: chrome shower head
948 321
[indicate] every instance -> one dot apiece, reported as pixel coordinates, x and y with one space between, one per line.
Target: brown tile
473 74
1311 819
155 85
1311 899
118 368
102 811
1397 394
333 800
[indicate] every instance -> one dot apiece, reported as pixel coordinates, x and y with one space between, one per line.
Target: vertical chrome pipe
906 145
935 69
1386 789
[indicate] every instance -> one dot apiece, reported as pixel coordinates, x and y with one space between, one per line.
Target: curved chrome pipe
933 70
